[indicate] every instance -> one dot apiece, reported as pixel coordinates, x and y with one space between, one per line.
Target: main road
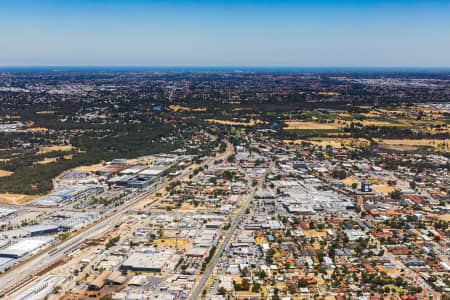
23 273
237 220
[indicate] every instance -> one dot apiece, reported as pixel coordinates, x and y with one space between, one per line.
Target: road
212 265
25 271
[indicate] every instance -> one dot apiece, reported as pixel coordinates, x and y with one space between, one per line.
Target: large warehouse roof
24 247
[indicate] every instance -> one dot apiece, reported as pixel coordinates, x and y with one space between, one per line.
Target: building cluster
274 220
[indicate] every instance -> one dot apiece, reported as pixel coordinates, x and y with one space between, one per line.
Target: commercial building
141 181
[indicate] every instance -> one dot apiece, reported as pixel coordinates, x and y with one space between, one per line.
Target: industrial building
65 194
133 170
197 252
28 231
5 212
41 229
148 262
154 171
25 247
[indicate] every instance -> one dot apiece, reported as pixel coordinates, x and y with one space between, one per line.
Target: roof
25 246
147 260
153 171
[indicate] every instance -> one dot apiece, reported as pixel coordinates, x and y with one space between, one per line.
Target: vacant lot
172 243
383 189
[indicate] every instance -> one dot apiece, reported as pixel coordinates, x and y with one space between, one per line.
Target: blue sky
225 33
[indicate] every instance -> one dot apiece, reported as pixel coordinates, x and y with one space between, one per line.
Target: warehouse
25 247
154 171
65 194
133 170
120 180
15 234
113 168
197 252
5 212
40 229
147 262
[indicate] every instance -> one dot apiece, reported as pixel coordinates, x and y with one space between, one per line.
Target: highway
22 274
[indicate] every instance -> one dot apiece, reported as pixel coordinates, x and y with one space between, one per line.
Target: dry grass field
328 93
91 168
176 108
16 199
36 129
350 180
236 123
45 112
313 233
55 148
310 125
383 188
46 160
261 240
337 143
407 144
4 173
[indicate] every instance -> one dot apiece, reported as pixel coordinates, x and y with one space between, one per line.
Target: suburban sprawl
216 185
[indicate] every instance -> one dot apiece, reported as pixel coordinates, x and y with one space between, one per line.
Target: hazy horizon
269 34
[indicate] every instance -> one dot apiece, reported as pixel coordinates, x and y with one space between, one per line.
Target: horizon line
162 67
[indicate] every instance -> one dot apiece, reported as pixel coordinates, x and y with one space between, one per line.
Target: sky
364 33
